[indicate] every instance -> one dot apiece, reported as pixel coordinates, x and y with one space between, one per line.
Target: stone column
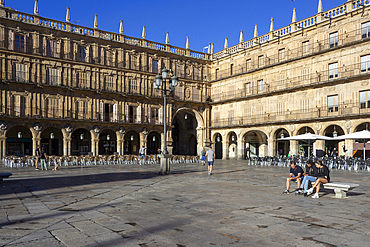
293 147
263 150
67 146
225 150
271 147
143 140
35 141
240 149
95 146
318 145
3 146
349 147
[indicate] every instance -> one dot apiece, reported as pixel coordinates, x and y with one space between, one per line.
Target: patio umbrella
308 138
363 136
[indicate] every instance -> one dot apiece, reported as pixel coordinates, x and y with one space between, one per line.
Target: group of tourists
42 158
210 155
317 173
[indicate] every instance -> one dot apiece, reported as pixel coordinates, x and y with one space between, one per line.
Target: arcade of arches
185 138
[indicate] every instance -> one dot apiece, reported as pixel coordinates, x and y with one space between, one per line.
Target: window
154 115
333 39
333 103
155 66
365 63
247 88
20 72
81 109
306 47
197 73
260 85
81 54
82 80
109 61
52 48
53 108
231 69
133 86
365 99
366 30
19 106
249 64
305 105
230 117
19 43
281 55
53 76
260 61
217 73
109 83
179 70
333 70
280 108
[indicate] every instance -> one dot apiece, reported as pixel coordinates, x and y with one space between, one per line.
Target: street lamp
162 87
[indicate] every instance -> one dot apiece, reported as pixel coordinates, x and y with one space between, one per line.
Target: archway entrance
303 146
81 142
184 133
19 141
251 145
232 146
218 146
132 142
358 146
282 147
333 131
153 142
52 140
107 142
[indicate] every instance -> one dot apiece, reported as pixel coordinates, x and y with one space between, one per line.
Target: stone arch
52 139
187 121
107 141
217 140
80 141
280 147
231 145
362 126
254 143
19 141
153 142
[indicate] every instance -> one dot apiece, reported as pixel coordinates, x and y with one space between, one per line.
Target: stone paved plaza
132 205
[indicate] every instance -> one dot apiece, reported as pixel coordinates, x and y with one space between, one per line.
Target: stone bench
340 189
4 175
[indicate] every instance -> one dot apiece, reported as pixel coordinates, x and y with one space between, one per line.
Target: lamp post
162 87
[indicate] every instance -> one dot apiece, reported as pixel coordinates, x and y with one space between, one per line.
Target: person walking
38 154
142 155
43 159
203 156
210 158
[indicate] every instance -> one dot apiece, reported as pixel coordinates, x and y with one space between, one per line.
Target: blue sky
203 21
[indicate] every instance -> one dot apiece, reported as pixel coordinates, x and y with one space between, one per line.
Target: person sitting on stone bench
309 176
295 174
322 178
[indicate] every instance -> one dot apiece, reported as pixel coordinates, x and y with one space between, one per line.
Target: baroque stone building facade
78 90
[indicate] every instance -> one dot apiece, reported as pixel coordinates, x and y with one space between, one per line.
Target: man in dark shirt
295 174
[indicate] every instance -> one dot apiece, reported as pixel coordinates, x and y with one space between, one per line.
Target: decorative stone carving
121 131
201 109
291 128
269 129
68 128
145 131
187 93
318 126
37 127
96 130
3 127
348 124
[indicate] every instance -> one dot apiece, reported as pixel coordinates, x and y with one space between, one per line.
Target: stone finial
320 8
209 48
2 2
96 21
167 41
187 42
212 48
36 8
68 16
294 18
120 27
241 38
255 31
226 45
272 25
143 34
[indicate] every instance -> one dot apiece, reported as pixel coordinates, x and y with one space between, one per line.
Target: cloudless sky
203 21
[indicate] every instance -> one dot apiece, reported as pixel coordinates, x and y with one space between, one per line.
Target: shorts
142 156
203 158
295 180
210 163
37 159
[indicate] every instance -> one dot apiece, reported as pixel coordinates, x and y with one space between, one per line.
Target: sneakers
298 192
309 191
316 195
286 192
305 194
37 169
